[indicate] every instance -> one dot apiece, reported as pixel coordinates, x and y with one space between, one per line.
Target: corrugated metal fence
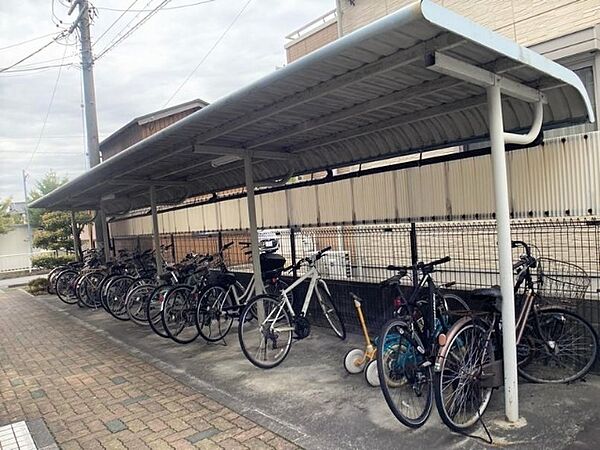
560 178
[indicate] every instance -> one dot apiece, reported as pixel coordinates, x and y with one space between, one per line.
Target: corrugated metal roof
366 96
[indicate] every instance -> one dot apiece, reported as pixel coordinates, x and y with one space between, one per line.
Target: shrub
38 286
51 261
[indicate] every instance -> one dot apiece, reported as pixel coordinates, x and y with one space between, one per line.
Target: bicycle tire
88 289
180 297
466 346
135 303
116 293
206 314
250 331
400 365
65 289
154 309
557 321
330 311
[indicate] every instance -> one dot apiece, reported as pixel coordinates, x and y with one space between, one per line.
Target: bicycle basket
561 282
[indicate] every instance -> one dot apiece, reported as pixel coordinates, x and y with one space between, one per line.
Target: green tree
47 184
53 228
7 218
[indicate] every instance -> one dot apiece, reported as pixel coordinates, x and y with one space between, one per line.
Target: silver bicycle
268 324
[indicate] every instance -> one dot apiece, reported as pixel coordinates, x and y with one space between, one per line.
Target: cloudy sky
136 77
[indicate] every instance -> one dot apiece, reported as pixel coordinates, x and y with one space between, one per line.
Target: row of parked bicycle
438 348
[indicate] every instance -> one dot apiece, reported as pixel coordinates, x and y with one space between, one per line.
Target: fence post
293 251
219 240
114 248
173 248
414 253
138 245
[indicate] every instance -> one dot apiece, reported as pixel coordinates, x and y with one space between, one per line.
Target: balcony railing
312 27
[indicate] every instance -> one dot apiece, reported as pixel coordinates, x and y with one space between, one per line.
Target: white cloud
135 78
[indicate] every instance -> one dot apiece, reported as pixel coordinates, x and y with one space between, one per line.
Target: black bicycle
408 343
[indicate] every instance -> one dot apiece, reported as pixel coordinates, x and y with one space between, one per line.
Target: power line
133 29
147 10
27 41
238 15
34 69
34 53
37 146
115 22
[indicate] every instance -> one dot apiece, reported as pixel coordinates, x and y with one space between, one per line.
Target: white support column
511 394
155 232
258 285
104 231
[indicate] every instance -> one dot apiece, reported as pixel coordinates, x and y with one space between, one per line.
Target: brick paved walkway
94 394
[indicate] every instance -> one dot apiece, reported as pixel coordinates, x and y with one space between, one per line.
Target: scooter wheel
354 361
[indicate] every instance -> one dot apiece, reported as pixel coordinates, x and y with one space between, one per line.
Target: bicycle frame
315 278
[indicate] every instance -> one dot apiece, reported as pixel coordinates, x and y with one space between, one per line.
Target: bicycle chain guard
301 327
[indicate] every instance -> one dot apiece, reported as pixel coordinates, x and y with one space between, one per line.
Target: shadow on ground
311 400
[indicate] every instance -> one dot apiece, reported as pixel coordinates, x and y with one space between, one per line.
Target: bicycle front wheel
136 301
461 397
266 344
65 286
154 307
558 346
214 314
405 375
330 311
179 314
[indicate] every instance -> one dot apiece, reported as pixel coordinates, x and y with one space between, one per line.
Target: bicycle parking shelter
419 79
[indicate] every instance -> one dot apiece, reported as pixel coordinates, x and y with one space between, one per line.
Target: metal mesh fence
360 254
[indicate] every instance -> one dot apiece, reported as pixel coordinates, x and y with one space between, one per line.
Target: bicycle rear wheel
558 346
405 375
265 344
460 396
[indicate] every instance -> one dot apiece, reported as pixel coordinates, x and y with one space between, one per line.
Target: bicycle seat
491 292
487 299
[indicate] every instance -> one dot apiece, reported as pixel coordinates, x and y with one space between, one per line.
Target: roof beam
362 108
241 152
399 96
447 65
384 64
147 182
417 116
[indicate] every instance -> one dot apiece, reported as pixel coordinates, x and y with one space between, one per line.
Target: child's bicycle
363 360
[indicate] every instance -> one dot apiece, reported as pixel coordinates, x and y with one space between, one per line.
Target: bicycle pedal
425 364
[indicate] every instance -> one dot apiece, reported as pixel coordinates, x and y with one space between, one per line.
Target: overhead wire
207 54
115 22
129 32
37 146
147 10
61 34
17 44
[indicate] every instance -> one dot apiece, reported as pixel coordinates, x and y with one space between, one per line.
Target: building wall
311 42
136 132
527 22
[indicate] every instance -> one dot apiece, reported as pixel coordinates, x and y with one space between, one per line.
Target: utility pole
29 238
89 97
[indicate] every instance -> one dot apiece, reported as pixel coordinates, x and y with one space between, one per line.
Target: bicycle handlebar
315 257
420 265
516 244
